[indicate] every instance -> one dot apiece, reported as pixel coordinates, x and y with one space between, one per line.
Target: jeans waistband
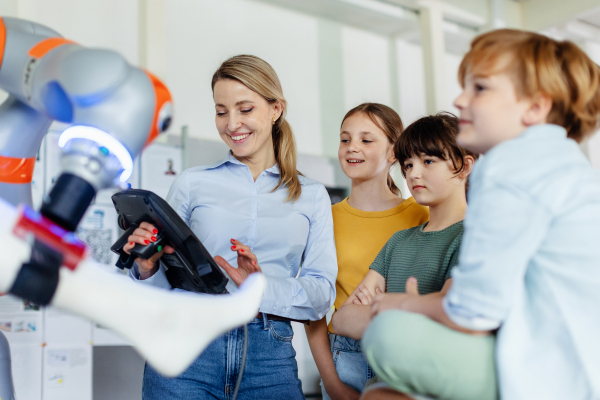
344 343
278 318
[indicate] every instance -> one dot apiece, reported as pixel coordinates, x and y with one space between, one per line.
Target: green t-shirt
428 256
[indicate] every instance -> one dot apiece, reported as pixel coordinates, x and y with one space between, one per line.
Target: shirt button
254 194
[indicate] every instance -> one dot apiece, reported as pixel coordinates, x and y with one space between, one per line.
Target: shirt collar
232 160
544 130
534 133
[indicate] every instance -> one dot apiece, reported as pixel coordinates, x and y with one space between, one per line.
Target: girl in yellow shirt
362 224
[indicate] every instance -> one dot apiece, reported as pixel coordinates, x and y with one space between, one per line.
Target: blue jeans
271 371
350 363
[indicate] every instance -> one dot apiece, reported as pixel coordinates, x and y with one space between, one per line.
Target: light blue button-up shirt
222 201
530 263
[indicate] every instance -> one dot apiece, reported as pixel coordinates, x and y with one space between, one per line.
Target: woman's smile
239 138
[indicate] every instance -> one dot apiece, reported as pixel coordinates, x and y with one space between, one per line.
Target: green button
159 247
104 150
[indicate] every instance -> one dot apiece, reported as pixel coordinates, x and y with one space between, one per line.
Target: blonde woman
257 213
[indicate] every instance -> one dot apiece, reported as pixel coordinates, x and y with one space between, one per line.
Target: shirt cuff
272 300
159 279
287 298
465 318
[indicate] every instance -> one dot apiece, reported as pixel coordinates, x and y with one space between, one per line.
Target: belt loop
265 320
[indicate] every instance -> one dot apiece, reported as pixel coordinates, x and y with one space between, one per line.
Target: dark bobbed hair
434 135
385 119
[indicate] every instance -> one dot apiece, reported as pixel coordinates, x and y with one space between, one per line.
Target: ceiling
583 28
394 18
463 19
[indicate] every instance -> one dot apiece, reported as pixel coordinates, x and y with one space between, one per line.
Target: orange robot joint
2 40
16 170
42 48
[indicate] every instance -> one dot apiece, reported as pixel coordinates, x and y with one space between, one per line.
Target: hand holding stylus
144 235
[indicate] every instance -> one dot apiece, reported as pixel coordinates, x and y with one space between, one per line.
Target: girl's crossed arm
352 318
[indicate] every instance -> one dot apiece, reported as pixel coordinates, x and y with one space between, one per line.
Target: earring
274 120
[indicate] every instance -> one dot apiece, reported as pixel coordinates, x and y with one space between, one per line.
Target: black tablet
191 267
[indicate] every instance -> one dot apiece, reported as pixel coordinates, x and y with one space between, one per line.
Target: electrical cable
244 354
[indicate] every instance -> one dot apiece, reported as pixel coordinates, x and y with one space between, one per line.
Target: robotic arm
114 110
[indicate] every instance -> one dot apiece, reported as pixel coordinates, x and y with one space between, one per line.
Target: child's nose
415 172
352 146
460 101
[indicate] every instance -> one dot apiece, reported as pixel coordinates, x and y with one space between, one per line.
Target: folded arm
353 317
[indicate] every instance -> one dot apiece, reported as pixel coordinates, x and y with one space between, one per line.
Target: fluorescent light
102 139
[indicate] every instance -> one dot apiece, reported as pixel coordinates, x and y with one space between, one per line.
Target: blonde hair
258 76
385 119
540 65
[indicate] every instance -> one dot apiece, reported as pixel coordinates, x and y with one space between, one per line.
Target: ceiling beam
372 15
542 14
394 18
434 53
449 11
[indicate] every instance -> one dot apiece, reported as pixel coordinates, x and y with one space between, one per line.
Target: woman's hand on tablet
246 261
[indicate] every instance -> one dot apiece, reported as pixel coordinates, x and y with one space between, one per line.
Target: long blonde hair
539 64
258 76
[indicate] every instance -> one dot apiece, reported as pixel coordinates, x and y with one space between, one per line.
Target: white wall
200 36
366 67
592 147
411 82
109 24
453 88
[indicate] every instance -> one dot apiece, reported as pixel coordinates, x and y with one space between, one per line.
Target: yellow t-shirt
360 235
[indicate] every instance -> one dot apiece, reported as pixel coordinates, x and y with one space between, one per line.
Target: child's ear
391 157
539 108
468 162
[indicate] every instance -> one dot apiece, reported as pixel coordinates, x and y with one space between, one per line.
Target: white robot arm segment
167 328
